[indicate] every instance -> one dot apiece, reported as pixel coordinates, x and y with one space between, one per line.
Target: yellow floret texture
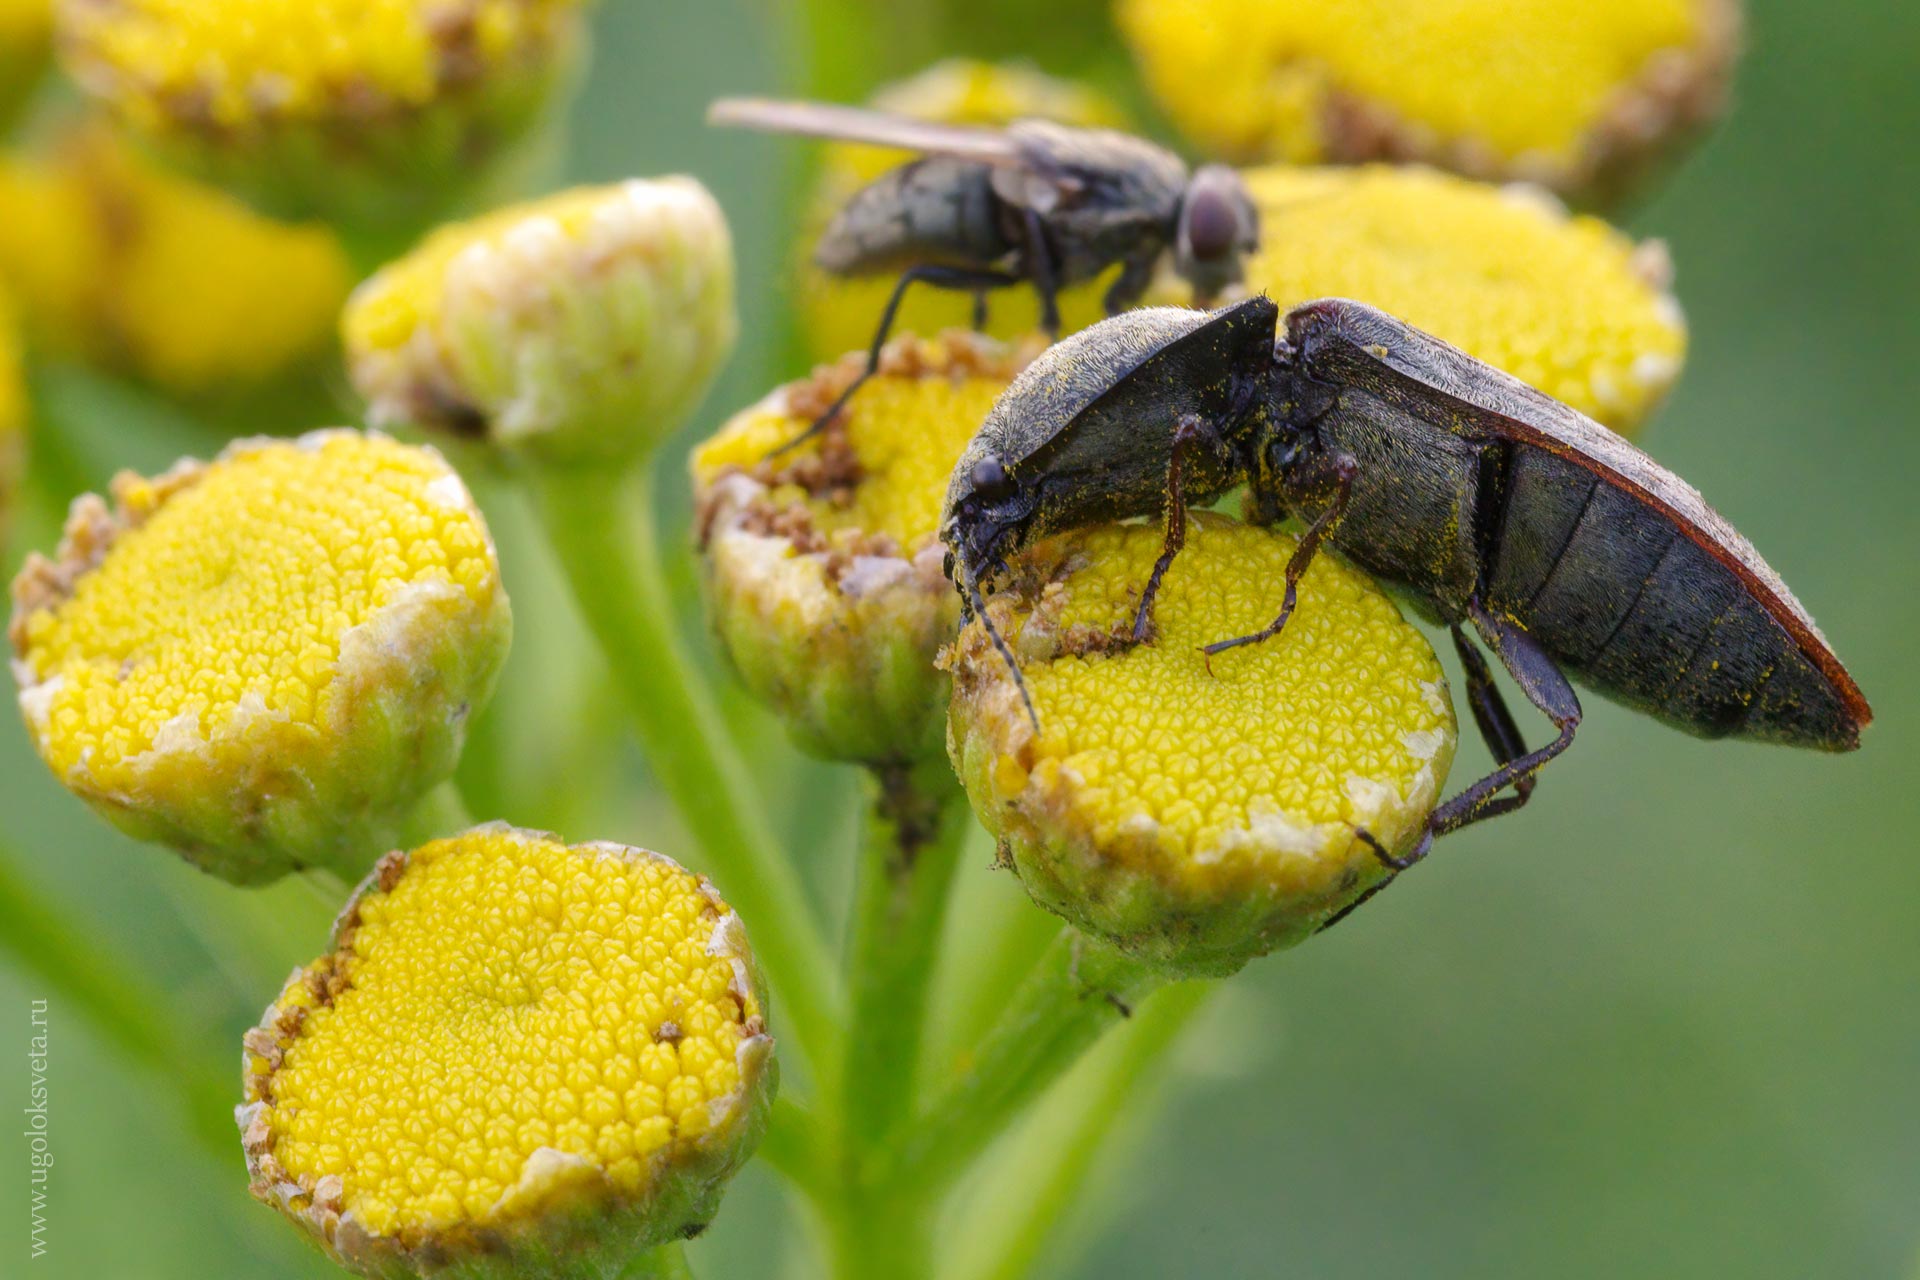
1566 303
127 264
265 659
839 314
1199 812
514 1039
1520 80
822 569
232 63
584 325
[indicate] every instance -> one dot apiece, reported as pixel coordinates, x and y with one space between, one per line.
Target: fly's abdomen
1633 605
937 211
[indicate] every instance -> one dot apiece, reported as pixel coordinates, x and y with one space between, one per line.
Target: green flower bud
267 660
1197 813
519 1059
580 328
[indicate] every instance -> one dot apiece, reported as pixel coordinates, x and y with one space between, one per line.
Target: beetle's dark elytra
1494 510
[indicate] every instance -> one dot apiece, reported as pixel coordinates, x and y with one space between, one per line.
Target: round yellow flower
1566 303
373 112
823 565
26 38
839 315
267 660
520 1058
1580 97
579 328
125 264
1197 813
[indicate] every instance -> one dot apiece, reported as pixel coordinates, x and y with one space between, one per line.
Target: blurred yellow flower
26 38
264 661
1566 303
1193 812
179 284
822 568
839 315
354 107
516 1051
582 326
13 416
1580 97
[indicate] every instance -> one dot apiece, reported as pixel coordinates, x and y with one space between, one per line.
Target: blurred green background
1665 1022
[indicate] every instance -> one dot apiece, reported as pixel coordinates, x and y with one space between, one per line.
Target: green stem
880 1234
916 825
1080 989
602 529
795 1147
441 812
668 1262
1044 1193
107 989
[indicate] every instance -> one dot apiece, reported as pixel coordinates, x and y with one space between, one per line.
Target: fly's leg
979 310
1344 469
1136 273
1546 687
1046 280
1191 430
938 276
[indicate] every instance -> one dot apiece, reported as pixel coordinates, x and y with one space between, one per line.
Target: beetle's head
1218 228
988 516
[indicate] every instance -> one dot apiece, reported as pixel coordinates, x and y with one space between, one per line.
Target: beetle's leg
1546 687
1136 273
1046 281
1191 430
927 273
1344 470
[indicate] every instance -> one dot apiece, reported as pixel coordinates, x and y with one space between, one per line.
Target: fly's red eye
1213 228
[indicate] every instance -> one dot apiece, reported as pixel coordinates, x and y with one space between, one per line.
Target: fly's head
1218 227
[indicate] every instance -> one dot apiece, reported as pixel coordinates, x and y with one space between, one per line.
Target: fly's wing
851 124
1349 343
1090 422
1116 173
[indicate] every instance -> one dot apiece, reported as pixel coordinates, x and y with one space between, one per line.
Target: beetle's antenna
978 603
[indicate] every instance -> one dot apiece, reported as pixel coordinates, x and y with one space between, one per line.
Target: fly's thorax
937 210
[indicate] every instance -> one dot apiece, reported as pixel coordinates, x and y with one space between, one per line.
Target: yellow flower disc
1578 96
325 105
1198 814
129 265
1565 303
266 660
583 326
823 565
518 1051
840 314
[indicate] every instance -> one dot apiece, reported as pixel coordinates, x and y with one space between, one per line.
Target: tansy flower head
267 660
520 1059
578 328
1565 303
822 564
1580 97
371 112
1197 816
840 314
175 282
26 37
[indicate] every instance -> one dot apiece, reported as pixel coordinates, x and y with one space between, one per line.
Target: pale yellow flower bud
267 660
520 1058
582 327
1197 815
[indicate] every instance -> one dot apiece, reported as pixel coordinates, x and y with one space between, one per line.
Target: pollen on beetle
584 325
1198 812
205 293
266 660
822 564
1580 97
1563 302
516 1049
839 313
303 101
